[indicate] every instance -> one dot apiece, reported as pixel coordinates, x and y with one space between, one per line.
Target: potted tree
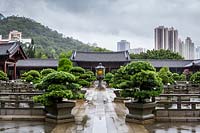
57 86
143 84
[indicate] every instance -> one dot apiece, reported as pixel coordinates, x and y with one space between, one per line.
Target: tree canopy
48 43
157 54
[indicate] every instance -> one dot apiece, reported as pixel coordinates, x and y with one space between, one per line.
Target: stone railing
16 101
178 107
182 88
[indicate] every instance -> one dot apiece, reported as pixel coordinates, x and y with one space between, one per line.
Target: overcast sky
106 22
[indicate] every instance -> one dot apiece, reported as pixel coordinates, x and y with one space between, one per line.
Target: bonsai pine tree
45 72
195 78
119 76
141 83
64 64
3 76
58 85
108 78
83 77
31 76
166 75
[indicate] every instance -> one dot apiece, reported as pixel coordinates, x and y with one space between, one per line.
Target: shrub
166 75
138 80
45 72
84 83
32 76
195 78
135 67
84 78
58 85
77 71
64 64
3 76
108 78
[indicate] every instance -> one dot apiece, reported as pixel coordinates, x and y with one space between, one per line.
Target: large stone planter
60 112
140 112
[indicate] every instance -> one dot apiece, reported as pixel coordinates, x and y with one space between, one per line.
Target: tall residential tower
166 38
123 45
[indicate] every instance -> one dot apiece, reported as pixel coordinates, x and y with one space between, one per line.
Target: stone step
22 117
178 119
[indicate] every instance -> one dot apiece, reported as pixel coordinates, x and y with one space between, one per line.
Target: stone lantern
100 73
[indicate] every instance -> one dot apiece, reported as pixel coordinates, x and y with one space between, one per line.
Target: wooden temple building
14 62
10 53
110 60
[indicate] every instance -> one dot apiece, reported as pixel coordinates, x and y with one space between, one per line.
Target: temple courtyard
98 114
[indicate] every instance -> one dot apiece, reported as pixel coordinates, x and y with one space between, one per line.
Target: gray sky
106 22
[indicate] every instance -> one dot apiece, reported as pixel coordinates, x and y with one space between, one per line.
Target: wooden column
5 67
14 71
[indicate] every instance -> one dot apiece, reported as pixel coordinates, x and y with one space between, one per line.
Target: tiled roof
167 63
122 56
4 48
194 63
37 63
10 48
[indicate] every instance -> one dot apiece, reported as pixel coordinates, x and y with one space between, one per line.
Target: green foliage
65 55
135 67
166 75
64 64
108 78
45 72
48 43
177 77
98 49
183 77
58 85
84 78
119 76
31 76
77 71
84 83
157 54
195 78
138 80
143 85
3 76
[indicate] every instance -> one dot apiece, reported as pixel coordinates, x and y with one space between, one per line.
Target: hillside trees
157 54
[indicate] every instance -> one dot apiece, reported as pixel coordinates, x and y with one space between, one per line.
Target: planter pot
60 112
140 112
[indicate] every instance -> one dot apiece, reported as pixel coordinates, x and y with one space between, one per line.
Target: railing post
2 104
179 102
193 106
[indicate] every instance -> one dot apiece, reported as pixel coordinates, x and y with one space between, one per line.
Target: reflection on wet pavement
178 127
25 127
98 114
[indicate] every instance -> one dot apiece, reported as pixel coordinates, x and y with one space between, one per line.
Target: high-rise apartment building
186 49
161 37
198 52
166 38
123 45
190 48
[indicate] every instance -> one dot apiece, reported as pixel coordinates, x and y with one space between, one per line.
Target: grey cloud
135 19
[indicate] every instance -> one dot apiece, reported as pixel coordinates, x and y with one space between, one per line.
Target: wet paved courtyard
98 114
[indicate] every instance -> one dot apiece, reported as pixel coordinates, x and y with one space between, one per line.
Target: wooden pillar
5 67
14 71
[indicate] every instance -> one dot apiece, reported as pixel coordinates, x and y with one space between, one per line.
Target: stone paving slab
99 114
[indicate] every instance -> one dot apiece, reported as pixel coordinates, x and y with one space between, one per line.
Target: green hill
48 43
